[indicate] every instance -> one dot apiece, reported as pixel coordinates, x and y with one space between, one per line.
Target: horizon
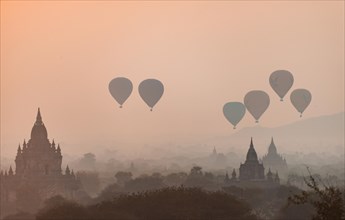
260 143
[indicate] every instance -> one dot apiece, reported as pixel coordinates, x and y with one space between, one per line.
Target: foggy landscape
172 110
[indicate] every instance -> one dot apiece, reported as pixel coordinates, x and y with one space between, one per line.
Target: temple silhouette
38 174
273 160
252 173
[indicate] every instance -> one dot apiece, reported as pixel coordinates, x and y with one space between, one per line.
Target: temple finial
19 150
38 117
53 145
251 142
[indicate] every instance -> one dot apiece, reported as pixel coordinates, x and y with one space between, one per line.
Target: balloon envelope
300 99
281 81
256 102
234 112
151 90
120 88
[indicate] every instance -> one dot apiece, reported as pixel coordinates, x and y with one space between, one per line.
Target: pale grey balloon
151 90
281 81
120 88
300 99
256 102
234 112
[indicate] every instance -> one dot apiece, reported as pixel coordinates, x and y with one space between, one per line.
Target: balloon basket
120 106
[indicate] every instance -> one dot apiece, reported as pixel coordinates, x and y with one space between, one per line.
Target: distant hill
318 134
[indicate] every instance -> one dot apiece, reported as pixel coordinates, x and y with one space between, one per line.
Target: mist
78 143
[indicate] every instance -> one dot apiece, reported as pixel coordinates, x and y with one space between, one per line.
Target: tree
144 183
327 201
196 171
170 203
88 162
123 177
59 208
175 179
110 192
196 178
90 181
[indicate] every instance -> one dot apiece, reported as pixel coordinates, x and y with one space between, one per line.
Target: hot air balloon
281 81
256 102
120 88
151 90
234 112
300 99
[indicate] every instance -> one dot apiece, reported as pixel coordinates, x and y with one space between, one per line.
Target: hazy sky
61 55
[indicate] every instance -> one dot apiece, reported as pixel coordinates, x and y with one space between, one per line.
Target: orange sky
61 55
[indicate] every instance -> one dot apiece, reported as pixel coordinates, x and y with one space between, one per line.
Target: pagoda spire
58 149
10 171
272 148
251 154
38 131
67 171
38 117
53 145
233 175
19 150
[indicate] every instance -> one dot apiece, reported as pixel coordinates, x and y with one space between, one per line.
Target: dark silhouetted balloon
281 81
120 88
256 102
300 99
234 112
151 90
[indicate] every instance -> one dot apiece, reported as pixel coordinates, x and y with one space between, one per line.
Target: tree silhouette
327 201
123 177
59 208
173 203
89 180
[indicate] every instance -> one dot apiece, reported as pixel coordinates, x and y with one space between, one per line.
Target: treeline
196 195
172 203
